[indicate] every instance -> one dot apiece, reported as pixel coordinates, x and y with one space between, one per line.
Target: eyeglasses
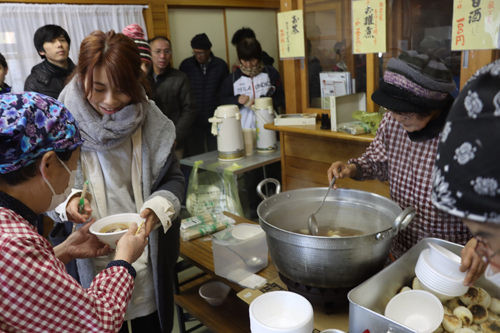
201 54
162 52
484 251
405 115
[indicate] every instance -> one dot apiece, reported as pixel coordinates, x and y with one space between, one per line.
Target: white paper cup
281 311
248 141
417 309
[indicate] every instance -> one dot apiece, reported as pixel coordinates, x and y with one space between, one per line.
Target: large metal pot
327 262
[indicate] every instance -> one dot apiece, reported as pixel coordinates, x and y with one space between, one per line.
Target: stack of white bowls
281 311
438 271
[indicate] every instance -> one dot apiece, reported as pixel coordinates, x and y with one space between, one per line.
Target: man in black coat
206 73
48 77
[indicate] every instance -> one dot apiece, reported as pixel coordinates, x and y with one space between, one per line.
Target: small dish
214 292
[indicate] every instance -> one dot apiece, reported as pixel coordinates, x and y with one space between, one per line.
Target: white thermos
226 125
264 113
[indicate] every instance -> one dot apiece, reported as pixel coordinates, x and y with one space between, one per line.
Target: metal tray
367 301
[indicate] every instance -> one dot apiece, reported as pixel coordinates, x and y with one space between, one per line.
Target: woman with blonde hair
127 159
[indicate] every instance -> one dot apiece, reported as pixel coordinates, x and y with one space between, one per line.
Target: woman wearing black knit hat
415 92
467 173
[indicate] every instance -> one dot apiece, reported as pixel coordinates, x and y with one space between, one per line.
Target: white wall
185 23
262 22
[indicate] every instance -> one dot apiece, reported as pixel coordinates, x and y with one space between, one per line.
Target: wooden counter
308 151
232 316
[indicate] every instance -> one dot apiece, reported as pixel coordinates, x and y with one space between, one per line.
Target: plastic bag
371 119
210 192
205 224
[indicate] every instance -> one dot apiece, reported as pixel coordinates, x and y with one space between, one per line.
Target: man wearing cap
415 93
135 32
206 73
467 173
172 91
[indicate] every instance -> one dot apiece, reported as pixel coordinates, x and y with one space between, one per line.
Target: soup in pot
115 227
333 232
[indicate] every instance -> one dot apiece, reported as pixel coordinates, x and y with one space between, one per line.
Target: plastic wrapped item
212 192
371 119
354 128
205 224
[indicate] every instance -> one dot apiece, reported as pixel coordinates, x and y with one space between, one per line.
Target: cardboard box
342 107
295 119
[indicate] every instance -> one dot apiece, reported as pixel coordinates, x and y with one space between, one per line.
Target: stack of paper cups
248 140
281 311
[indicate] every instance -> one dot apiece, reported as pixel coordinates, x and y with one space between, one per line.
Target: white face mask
57 199
492 276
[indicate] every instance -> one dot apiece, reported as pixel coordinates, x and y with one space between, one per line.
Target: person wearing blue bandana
39 150
466 176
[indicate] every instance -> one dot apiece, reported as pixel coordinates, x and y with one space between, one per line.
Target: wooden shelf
231 316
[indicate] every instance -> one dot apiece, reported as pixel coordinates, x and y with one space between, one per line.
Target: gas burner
329 299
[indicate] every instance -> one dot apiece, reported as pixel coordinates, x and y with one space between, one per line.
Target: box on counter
295 119
239 251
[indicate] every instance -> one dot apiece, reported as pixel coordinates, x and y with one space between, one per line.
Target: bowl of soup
111 228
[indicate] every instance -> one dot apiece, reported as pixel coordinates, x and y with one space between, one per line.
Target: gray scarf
105 132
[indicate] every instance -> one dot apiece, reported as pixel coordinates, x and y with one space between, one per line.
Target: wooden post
477 59
292 75
372 78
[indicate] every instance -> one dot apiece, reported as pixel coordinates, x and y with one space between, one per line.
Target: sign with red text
476 25
368 26
291 34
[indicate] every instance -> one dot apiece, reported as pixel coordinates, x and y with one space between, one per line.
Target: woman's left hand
151 220
81 244
472 263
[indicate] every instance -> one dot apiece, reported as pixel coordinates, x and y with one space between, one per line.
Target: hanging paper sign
291 34
368 26
476 25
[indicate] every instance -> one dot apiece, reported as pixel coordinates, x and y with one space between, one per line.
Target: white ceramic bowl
416 309
214 292
112 238
281 311
332 330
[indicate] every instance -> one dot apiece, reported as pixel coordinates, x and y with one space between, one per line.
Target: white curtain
18 23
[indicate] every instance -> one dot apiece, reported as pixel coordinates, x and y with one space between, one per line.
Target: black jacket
173 95
48 79
205 87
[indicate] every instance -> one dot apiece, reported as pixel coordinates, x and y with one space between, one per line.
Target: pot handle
403 219
264 182
400 223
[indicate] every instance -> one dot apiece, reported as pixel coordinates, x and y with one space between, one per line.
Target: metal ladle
252 262
312 225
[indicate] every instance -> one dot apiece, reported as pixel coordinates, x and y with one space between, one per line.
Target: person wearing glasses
206 73
172 91
467 173
415 92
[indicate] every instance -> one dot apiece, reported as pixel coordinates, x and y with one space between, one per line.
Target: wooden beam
477 59
292 75
226 39
148 18
372 79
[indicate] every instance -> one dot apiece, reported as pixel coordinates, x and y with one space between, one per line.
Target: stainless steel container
367 302
327 262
